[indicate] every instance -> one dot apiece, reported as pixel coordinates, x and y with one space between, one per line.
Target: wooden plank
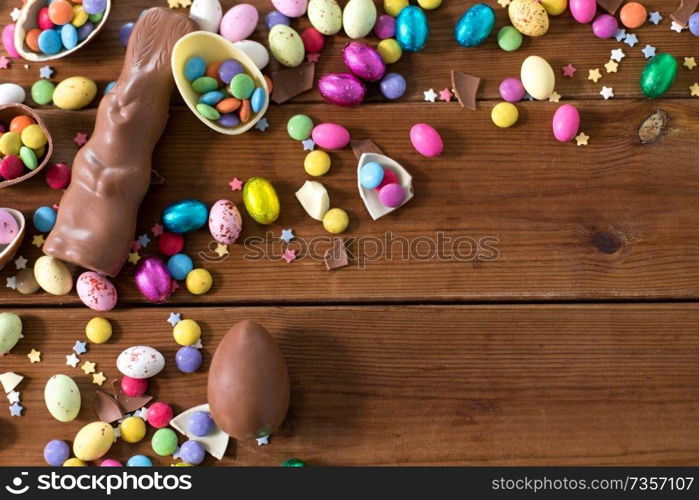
566 42
506 385
611 220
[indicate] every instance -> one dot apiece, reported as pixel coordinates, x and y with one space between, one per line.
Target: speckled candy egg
153 279
330 136
53 275
261 200
291 8
426 140
93 441
10 331
96 291
286 45
239 22
359 18
74 93
62 398
475 25
412 29
537 77
325 16
343 89
255 51
207 14
140 362
566 122
185 216
364 61
583 11
225 222
529 17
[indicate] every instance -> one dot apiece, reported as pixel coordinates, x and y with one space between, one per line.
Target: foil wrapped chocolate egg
364 61
248 387
475 25
412 29
658 75
153 279
261 200
343 89
185 216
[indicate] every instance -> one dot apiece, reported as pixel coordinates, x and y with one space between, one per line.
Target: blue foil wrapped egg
475 25
412 29
185 216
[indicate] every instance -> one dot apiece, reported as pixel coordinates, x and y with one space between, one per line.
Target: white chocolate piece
10 380
314 199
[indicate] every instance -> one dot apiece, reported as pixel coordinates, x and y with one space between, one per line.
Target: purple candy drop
512 90
228 69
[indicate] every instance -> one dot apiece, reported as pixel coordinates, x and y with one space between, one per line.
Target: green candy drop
42 92
658 75
294 462
299 127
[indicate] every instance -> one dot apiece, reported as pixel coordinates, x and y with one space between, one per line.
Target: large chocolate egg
248 388
343 89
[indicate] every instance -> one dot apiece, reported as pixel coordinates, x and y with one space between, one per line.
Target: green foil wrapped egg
658 75
261 200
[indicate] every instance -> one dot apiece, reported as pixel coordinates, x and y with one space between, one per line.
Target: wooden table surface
567 336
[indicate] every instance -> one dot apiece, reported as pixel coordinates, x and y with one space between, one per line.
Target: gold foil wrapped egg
261 200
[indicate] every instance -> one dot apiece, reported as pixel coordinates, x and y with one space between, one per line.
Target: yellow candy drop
335 220
504 114
393 7
199 281
187 331
429 4
74 462
390 50
98 330
33 137
132 429
317 163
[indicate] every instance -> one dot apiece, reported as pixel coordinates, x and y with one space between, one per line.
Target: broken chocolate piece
653 126
610 6
336 256
130 404
106 407
465 87
685 9
289 83
365 146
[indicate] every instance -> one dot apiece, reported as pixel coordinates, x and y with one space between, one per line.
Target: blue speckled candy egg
185 216
475 25
412 29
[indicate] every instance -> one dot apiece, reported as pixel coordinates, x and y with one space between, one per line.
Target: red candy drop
134 387
57 175
313 40
159 414
170 243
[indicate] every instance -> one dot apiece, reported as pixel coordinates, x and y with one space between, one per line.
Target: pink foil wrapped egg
364 61
8 40
96 291
426 140
566 122
343 89
330 136
583 11
225 222
153 279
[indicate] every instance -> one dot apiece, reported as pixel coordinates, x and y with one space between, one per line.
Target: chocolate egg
261 200
412 29
364 61
185 216
475 25
343 89
248 388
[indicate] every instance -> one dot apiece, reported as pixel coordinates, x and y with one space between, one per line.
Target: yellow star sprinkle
173 3
134 257
98 378
185 3
694 89
611 66
34 356
594 75
38 240
581 139
504 3
88 367
221 250
689 63
554 97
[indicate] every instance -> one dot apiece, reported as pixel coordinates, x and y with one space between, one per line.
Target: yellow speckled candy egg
75 92
555 7
261 200
93 441
187 332
285 44
529 17
62 398
74 462
53 275
393 7
390 50
98 330
199 281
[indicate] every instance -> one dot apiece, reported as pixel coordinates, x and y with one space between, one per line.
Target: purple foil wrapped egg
343 89
153 279
364 61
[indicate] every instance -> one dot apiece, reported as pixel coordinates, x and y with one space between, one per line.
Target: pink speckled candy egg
96 291
225 222
239 22
110 462
583 11
385 26
364 61
566 122
343 89
291 8
392 195
604 26
153 279
330 136
8 40
426 140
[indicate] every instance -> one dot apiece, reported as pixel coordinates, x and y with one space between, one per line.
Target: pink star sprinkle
157 229
236 184
569 71
175 286
80 139
135 246
55 207
289 255
445 95
312 58
4 62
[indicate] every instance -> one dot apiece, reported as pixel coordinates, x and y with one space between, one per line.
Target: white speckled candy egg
325 16
96 291
255 51
140 362
286 45
291 8
207 14
225 222
62 398
93 441
359 18
537 77
53 275
10 331
11 93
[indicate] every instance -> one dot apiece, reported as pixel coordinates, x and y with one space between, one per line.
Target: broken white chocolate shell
314 199
370 197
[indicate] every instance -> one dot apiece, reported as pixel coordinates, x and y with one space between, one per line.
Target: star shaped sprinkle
98 378
594 75
606 92
287 235
689 63
15 14
12 282
617 55
80 139
135 246
157 229
13 397
620 34
185 3
312 58
143 413
445 95
143 240
430 95
677 27
221 250
80 347
648 51
236 184
611 66
20 263
45 72
569 70
134 257
263 441
631 40
174 318
308 145
72 360
38 240
197 344
693 91
173 4
504 3
289 255
262 125
4 62
581 139
16 410
655 17
554 97
34 356
88 367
